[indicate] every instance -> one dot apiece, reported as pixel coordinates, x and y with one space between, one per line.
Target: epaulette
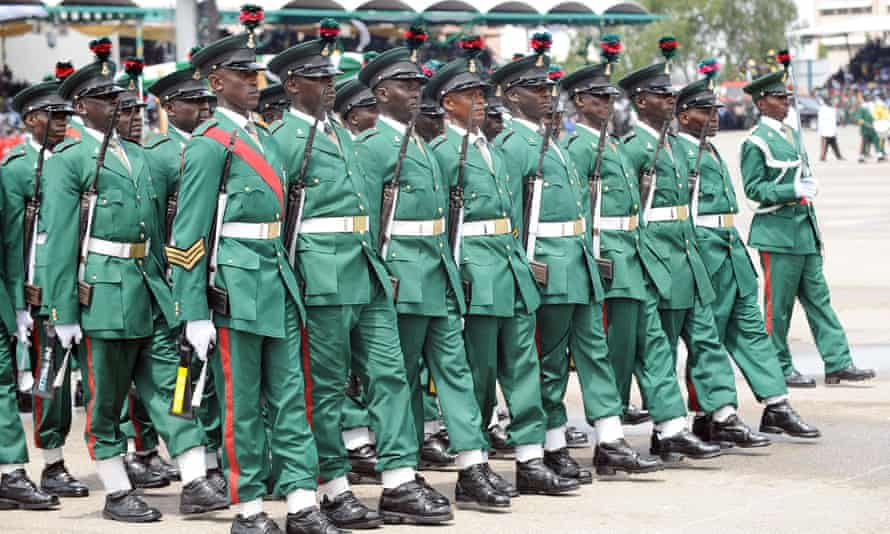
275 126
367 134
14 153
506 136
156 141
204 127
65 145
626 139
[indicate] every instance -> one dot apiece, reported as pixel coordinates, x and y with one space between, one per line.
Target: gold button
316 180
440 209
247 189
441 245
359 195
361 207
94 277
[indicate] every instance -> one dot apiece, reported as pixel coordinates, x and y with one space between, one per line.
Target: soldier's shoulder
368 134
275 126
14 153
66 145
156 141
204 126
439 141
571 139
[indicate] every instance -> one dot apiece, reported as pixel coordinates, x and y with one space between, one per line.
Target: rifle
33 294
391 197
88 209
185 397
695 172
456 198
605 265
807 172
647 178
296 192
532 203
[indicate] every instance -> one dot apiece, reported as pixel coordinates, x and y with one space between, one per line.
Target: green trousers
502 349
788 277
742 332
253 373
355 413
109 367
13 447
136 423
437 342
578 328
638 345
708 371
364 339
52 417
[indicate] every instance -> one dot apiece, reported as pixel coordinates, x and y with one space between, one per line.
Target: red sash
250 156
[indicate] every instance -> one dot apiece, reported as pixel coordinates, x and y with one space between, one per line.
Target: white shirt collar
691 139
528 124
76 119
772 123
394 124
34 144
461 132
237 118
590 129
648 129
305 116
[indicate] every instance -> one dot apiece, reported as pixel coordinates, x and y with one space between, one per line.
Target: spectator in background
865 120
827 124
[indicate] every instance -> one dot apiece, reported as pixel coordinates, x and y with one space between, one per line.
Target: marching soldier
494 114
684 306
351 323
430 298
569 320
273 103
44 114
785 232
739 321
234 288
110 290
356 106
187 103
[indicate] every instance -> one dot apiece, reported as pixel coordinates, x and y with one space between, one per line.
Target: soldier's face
461 104
533 101
310 92
129 124
362 118
774 107
493 125
400 98
97 111
39 121
429 127
188 114
693 120
594 108
237 88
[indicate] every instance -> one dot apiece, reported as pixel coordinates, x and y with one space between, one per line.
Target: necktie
118 151
483 149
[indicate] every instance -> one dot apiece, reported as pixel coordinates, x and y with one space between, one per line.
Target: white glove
68 334
23 324
200 334
26 381
806 188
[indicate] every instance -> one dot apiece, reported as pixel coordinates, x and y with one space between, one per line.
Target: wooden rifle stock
456 200
218 299
33 293
604 265
296 189
539 269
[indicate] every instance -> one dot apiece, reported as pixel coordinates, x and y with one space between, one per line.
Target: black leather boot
17 491
797 380
500 483
473 489
633 415
364 461
535 478
141 476
201 496
255 524
434 453
562 463
311 521
681 445
576 439
614 456
57 480
127 507
850 374
781 418
729 433
347 511
411 502
155 462
218 479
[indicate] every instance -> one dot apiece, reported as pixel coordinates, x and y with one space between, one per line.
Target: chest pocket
555 199
238 266
411 201
318 267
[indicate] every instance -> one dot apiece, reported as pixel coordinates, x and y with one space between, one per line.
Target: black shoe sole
467 503
833 381
9 504
123 519
398 518
802 385
67 494
609 470
780 430
358 525
163 483
673 457
552 491
192 509
747 445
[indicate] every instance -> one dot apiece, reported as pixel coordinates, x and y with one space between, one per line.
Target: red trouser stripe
694 406
605 319
307 373
767 292
225 353
38 402
91 384
137 428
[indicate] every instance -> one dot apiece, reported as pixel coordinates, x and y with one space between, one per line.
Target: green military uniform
430 300
870 138
685 307
257 360
785 232
131 305
164 155
350 319
636 342
737 315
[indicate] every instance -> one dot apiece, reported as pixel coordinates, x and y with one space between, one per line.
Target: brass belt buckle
274 230
682 213
137 250
632 223
728 220
578 227
360 224
501 226
438 226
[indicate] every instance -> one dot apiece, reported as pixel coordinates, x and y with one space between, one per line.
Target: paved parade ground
840 483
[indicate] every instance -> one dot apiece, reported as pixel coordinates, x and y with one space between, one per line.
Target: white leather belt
41 238
115 249
669 213
334 225
487 227
618 223
722 220
561 229
419 228
240 230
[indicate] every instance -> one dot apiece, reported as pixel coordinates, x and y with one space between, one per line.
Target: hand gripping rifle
596 197
296 192
647 178
185 397
456 199
532 202
391 197
88 209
